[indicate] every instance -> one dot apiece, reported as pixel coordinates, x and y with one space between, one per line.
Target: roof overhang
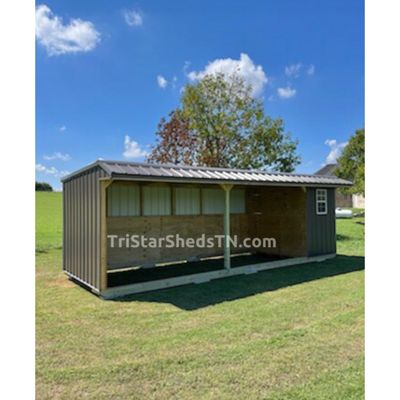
125 171
125 178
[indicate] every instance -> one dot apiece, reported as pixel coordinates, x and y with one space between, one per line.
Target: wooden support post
103 233
227 246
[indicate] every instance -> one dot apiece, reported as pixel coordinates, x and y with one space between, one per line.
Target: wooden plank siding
280 213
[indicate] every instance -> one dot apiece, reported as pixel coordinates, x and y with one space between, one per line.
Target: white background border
17 197
382 199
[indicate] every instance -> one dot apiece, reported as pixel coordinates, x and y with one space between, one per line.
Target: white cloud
252 74
58 156
62 128
162 82
40 168
336 150
133 17
59 38
51 171
286 93
293 71
311 70
133 149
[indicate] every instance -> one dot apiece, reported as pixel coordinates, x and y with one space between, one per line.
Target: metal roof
171 173
327 170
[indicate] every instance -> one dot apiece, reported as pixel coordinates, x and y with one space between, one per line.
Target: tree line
43 187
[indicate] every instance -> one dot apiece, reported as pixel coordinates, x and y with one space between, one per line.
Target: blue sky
107 71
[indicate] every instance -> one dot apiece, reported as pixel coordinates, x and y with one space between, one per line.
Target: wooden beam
103 233
227 212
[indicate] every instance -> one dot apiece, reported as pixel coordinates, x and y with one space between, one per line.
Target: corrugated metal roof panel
196 174
192 173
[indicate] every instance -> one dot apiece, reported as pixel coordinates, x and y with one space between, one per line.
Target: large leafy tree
175 141
351 163
227 127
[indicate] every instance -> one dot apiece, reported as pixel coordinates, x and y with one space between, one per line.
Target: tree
43 187
351 163
226 127
175 141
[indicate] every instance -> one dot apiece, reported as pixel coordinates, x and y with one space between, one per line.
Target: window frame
318 201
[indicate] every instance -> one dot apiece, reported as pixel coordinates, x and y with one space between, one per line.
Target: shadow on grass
41 251
340 237
46 249
193 297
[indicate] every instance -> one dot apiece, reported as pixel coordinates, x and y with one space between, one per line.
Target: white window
321 201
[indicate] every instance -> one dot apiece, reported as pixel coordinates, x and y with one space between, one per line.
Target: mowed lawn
294 333
48 220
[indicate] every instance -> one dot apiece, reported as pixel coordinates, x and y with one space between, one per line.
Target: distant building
342 200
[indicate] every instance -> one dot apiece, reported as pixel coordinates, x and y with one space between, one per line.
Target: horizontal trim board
125 290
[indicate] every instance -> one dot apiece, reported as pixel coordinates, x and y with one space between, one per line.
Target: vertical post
103 234
227 211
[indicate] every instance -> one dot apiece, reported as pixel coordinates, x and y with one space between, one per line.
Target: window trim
324 201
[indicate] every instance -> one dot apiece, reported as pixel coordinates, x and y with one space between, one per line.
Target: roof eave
94 164
144 178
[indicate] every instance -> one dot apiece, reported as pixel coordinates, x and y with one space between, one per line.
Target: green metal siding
213 201
123 200
156 200
238 201
321 229
187 201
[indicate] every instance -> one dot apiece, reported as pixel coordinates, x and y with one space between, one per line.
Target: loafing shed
108 201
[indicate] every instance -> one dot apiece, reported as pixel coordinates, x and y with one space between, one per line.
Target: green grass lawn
48 220
294 333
